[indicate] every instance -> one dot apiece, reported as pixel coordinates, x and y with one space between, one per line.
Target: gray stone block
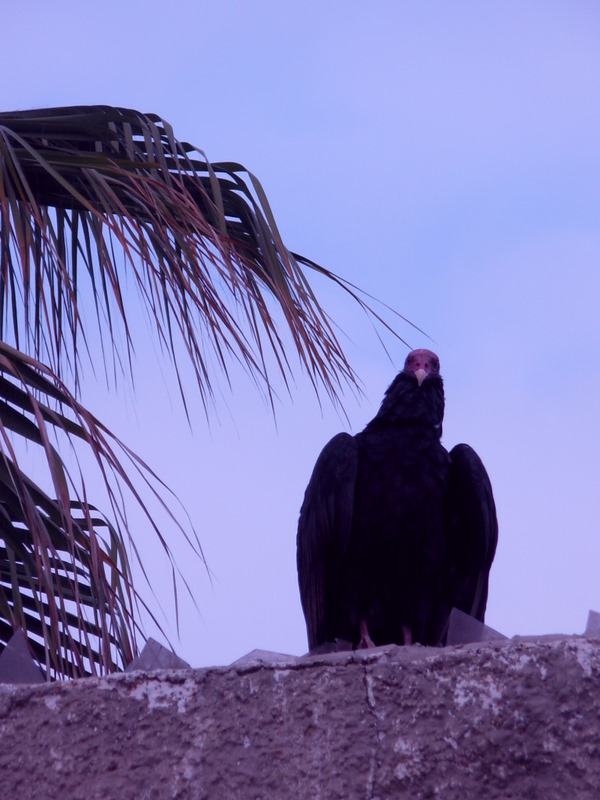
262 657
155 656
464 629
16 662
593 624
339 646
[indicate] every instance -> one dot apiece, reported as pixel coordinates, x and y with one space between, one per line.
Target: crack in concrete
374 759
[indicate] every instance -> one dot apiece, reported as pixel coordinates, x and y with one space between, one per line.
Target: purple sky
444 157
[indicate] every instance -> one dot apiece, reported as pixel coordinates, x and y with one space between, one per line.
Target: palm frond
65 576
79 185
101 208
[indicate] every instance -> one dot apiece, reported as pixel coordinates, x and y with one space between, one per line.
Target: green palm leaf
198 238
95 200
64 572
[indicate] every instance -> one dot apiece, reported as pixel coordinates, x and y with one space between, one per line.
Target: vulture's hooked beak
420 375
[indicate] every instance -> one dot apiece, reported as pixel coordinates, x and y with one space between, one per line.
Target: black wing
323 535
472 530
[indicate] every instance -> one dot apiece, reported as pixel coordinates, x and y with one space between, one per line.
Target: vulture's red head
421 364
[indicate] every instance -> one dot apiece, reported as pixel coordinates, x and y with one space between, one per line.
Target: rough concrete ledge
511 719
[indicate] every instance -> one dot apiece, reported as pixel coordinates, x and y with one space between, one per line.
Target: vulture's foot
365 640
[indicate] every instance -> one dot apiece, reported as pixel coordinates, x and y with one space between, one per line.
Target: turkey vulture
395 530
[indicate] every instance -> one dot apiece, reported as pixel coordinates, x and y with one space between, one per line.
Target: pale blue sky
446 157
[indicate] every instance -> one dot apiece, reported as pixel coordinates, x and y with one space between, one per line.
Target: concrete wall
517 719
